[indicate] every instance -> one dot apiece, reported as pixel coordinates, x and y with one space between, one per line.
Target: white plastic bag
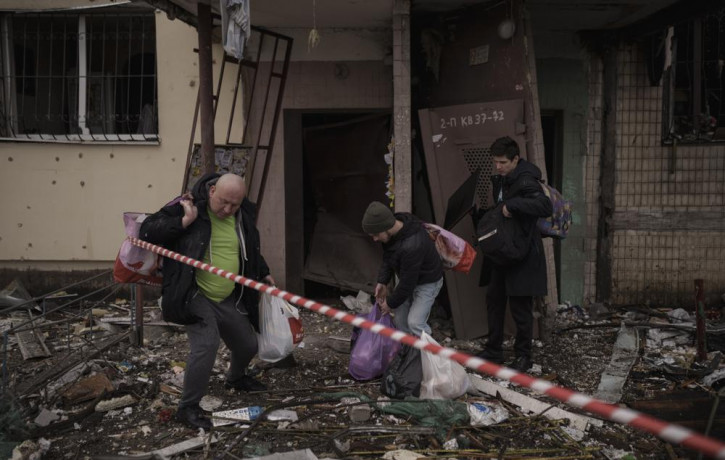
442 378
275 336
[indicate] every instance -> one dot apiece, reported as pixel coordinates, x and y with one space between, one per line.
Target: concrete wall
63 203
563 87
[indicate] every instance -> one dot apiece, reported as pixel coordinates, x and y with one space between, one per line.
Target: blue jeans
412 315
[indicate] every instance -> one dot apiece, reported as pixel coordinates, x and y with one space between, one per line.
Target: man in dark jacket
214 224
411 254
517 186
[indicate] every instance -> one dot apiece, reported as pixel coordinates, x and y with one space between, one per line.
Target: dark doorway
334 167
552 131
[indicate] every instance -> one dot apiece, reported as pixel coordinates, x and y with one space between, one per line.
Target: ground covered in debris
108 398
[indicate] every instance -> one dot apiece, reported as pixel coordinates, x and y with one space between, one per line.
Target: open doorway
334 167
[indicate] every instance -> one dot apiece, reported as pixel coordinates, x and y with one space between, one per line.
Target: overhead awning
56 5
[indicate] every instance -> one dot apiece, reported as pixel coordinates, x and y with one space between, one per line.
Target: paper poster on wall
227 158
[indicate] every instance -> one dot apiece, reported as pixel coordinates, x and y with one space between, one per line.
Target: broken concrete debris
98 395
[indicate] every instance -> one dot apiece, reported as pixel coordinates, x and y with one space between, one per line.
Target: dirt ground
313 386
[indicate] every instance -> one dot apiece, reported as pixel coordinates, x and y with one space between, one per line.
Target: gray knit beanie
378 218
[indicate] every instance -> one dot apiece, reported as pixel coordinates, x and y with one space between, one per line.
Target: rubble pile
97 395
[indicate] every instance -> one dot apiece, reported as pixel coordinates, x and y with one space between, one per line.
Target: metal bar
701 331
206 85
697 70
49 294
275 120
190 153
82 76
234 102
138 324
128 80
116 120
10 98
50 70
14 328
246 113
219 87
104 120
65 116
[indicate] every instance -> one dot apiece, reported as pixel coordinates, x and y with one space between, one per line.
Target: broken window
73 77
693 104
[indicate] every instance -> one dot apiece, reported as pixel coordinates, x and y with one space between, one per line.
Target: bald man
215 224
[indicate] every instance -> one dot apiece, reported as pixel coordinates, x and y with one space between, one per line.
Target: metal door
457 141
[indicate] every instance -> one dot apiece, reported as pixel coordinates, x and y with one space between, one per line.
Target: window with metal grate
78 77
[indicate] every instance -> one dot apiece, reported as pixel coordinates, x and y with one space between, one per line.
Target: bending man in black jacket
214 224
411 254
517 186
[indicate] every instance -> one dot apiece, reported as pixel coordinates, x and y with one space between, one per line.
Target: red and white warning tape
669 432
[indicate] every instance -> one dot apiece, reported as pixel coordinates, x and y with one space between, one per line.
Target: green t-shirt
223 252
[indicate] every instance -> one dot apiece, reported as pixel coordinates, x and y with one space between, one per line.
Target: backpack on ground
557 225
501 239
404 374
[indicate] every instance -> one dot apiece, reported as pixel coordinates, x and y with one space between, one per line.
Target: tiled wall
657 265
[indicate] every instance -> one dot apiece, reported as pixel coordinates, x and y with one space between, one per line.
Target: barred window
694 105
78 77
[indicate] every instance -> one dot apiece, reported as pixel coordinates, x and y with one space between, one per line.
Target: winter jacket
525 200
179 283
413 256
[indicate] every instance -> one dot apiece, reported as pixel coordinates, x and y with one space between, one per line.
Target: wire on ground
669 432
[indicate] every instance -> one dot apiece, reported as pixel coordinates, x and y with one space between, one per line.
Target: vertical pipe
82 75
700 315
138 325
206 86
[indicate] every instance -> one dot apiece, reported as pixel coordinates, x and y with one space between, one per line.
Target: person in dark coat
516 185
214 224
409 253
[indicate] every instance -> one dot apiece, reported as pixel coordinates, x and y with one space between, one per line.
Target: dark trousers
219 321
522 310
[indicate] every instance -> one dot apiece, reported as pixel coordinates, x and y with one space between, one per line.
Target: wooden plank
607 175
66 362
652 220
31 342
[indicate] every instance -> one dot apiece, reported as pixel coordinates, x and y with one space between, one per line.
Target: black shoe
489 355
521 364
246 383
193 417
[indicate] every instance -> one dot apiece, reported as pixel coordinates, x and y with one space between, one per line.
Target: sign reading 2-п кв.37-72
463 121
485 119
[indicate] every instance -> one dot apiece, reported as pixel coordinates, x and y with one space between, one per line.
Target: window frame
79 116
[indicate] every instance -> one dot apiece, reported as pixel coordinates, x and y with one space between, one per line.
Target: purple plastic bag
371 353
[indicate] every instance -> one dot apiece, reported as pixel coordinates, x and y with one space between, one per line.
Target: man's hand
269 280
190 211
384 308
506 212
381 292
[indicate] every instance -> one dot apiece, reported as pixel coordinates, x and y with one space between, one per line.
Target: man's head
225 197
378 222
505 154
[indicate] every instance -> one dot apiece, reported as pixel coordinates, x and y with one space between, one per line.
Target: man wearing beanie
409 253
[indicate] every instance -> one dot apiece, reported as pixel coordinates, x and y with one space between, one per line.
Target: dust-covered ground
313 386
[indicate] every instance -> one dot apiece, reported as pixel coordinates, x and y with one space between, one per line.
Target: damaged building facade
620 104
